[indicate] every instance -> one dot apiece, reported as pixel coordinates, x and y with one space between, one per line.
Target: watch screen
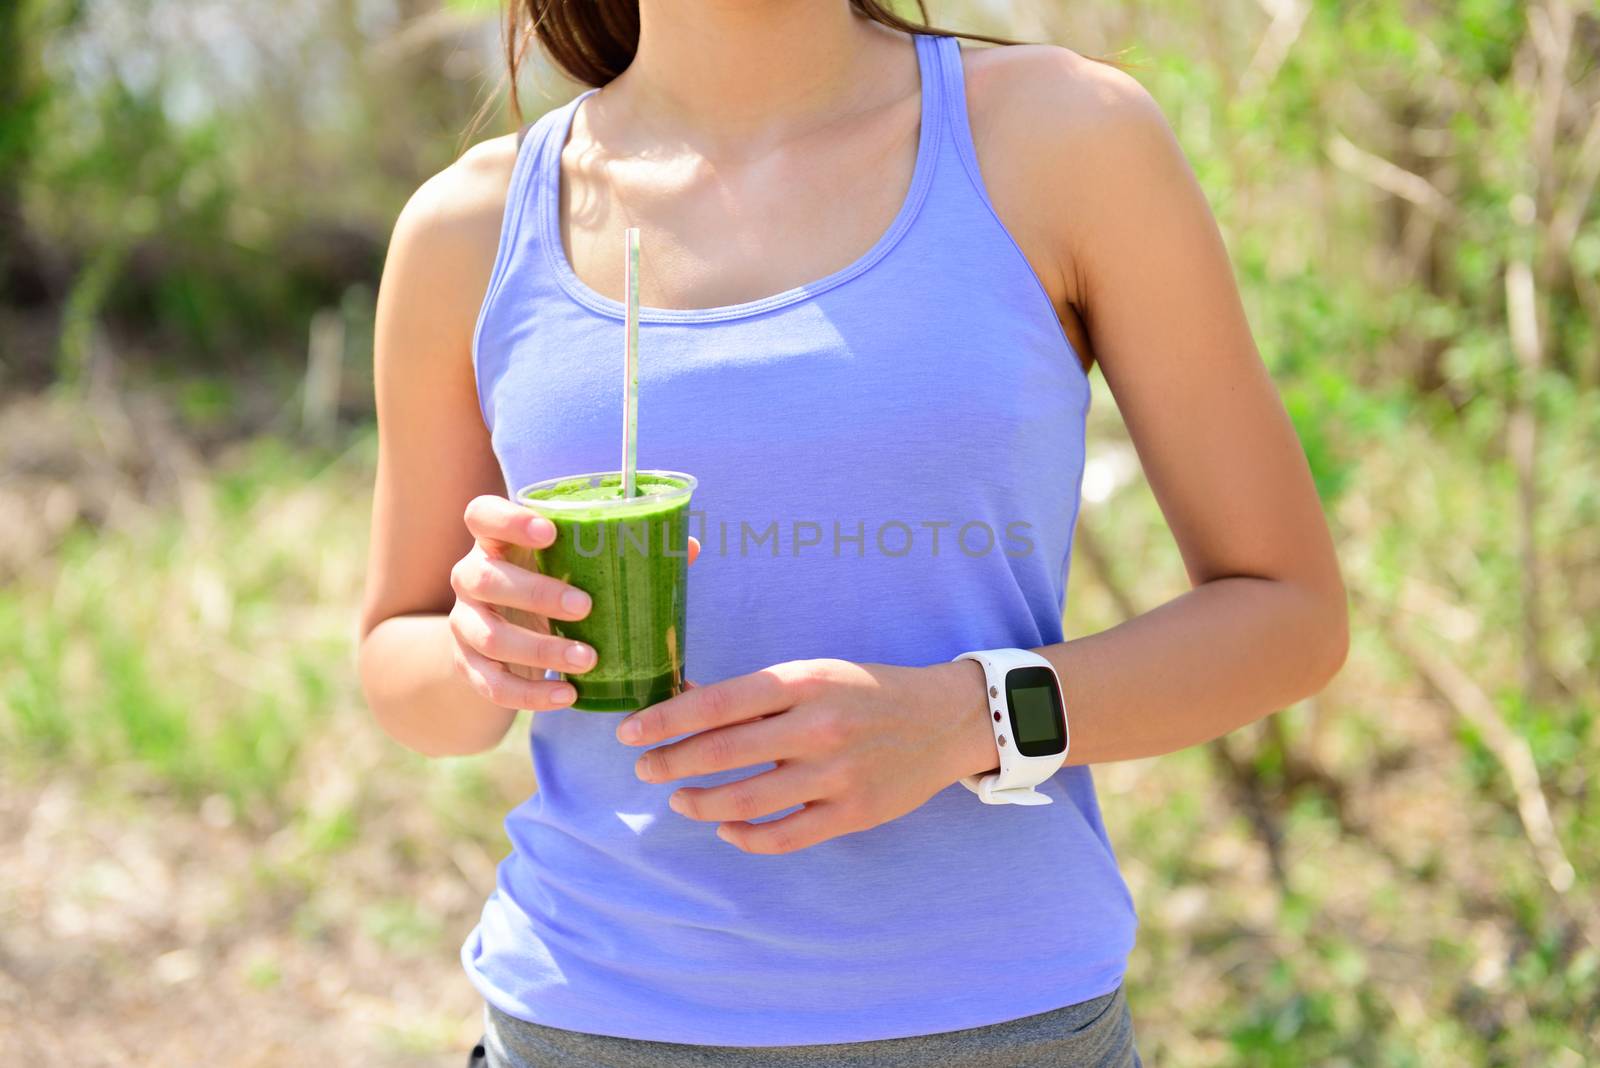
1037 722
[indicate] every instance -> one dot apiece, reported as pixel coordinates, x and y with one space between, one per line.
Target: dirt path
144 934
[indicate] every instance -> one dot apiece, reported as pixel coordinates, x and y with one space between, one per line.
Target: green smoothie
631 557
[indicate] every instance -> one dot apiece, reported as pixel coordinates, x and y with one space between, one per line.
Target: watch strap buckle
989 794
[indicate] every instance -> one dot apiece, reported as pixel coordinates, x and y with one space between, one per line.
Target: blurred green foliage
1407 190
199 178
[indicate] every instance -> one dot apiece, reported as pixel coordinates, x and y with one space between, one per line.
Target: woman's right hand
505 661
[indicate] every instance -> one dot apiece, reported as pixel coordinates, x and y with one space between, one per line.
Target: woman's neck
731 73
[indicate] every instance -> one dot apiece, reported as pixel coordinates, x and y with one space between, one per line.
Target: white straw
630 367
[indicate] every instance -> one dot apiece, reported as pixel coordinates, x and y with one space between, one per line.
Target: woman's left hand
856 744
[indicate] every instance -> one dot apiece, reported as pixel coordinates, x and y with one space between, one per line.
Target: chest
729 230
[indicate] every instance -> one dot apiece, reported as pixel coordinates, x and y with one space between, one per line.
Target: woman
878 267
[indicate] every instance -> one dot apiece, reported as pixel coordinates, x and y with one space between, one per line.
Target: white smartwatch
1030 726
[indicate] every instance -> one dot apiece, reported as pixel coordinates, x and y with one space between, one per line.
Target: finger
717 705
498 524
480 577
694 549
756 742
487 633
749 799
491 681
817 822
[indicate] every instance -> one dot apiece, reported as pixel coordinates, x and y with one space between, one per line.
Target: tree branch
1389 177
1466 698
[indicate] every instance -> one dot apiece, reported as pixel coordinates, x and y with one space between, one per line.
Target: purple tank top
889 462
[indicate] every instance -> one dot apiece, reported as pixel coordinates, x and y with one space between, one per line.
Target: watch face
1038 722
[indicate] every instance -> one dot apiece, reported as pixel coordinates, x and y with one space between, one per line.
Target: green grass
197 646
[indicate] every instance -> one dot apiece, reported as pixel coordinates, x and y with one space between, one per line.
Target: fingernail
641 769
542 529
563 695
675 803
628 730
580 656
722 833
576 602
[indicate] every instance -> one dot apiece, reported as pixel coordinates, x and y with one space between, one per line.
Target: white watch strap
1018 774
984 787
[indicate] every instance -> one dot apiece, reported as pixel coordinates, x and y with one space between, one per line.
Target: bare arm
434 646
1139 259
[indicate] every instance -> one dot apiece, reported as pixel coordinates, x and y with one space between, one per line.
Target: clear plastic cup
631 556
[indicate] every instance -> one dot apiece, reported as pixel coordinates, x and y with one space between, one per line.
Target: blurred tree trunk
1541 78
27 276
16 135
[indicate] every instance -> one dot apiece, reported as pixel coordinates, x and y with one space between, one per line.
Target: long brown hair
593 41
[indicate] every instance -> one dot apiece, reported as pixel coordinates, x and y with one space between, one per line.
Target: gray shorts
1091 1034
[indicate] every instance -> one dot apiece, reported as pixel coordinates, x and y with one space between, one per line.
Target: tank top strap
517 239
947 74
523 190
935 83
540 149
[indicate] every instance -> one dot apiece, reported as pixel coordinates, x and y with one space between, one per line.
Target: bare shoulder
1058 100
444 243
459 208
1072 151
